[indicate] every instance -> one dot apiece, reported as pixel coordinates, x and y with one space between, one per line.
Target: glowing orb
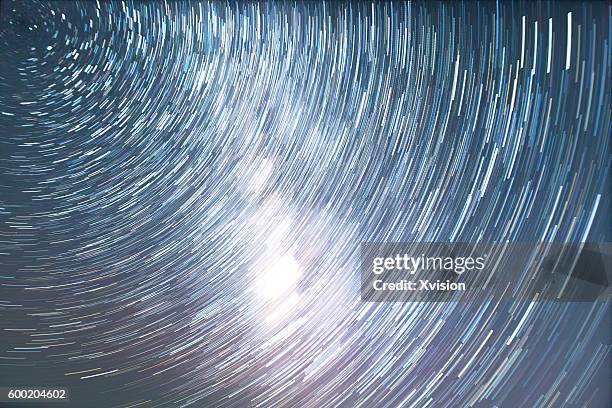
279 279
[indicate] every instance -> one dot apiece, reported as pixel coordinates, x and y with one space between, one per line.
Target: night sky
185 186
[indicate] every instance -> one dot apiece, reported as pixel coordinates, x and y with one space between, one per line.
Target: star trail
185 186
